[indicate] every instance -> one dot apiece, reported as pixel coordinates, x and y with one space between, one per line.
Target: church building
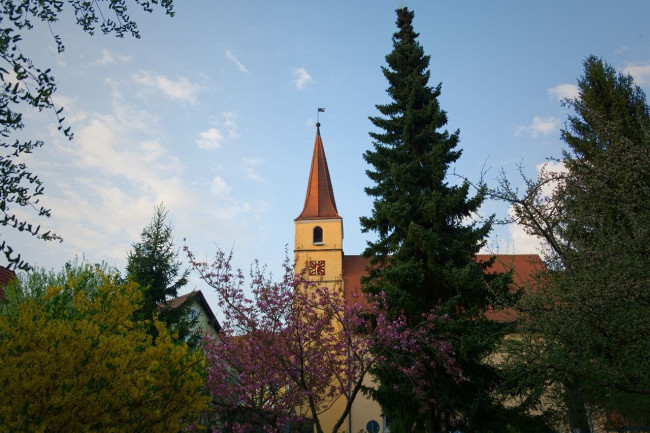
318 249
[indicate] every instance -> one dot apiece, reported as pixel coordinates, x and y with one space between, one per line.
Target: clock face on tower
317 267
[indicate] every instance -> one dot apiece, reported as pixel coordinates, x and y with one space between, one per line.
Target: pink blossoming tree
289 349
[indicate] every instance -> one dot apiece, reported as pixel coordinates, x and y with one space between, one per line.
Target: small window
193 314
318 236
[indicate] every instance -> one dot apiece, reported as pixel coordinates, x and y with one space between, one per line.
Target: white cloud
230 56
109 182
520 242
301 77
249 168
229 124
640 73
223 131
219 186
71 110
103 187
551 167
539 125
564 91
523 242
210 139
181 89
146 163
108 57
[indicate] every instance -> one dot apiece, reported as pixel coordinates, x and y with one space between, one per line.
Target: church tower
318 236
318 252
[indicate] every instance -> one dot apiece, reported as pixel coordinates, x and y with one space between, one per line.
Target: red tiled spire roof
319 201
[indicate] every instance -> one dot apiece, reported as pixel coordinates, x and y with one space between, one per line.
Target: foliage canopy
592 310
76 360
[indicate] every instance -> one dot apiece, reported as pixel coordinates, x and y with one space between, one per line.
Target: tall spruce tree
153 264
424 256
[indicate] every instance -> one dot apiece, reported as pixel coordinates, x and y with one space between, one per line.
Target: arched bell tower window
318 235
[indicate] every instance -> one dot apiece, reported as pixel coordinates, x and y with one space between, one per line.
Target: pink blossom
292 347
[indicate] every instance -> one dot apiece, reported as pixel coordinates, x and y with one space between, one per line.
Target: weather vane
320 110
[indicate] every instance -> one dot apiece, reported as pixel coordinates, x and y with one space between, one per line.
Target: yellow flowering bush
73 360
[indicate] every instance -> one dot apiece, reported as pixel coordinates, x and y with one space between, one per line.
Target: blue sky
212 112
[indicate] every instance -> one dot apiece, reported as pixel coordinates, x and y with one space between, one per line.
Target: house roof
524 267
197 296
354 267
319 200
6 275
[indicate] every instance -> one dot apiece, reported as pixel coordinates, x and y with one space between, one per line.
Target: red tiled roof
524 267
177 301
6 275
319 200
354 267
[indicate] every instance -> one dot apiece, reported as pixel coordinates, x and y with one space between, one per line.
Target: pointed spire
319 200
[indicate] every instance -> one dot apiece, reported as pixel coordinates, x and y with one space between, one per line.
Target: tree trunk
576 409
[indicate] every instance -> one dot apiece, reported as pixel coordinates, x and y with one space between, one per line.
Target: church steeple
319 200
318 245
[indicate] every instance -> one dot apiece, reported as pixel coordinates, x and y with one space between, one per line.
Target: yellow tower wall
330 250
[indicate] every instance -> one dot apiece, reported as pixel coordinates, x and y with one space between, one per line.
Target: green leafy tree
153 264
424 255
586 330
25 84
35 283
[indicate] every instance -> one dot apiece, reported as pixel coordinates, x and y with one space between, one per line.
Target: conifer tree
153 264
424 256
